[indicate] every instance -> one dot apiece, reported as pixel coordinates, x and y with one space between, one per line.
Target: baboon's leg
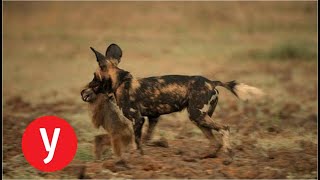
137 126
152 124
117 147
101 142
97 151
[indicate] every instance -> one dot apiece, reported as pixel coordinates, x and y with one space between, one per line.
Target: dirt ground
270 45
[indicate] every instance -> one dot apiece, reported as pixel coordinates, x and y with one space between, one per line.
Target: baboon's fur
105 113
101 143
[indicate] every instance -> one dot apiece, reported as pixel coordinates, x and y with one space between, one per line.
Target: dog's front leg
152 124
137 125
137 120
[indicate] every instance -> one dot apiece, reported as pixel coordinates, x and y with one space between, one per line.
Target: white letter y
50 148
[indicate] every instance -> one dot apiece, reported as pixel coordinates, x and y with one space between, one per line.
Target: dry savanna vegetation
270 45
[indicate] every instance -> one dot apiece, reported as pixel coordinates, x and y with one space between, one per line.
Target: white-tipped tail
246 92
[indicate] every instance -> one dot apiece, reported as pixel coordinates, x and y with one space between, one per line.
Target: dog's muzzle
88 95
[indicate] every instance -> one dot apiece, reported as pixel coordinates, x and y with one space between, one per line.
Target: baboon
105 113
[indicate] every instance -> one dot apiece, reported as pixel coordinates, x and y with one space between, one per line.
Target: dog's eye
96 78
94 83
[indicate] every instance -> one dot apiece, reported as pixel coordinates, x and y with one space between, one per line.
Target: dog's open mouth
88 95
86 98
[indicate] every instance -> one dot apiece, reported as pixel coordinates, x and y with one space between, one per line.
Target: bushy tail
242 91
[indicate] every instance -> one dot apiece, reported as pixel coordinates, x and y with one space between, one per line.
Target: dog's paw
228 157
162 142
209 155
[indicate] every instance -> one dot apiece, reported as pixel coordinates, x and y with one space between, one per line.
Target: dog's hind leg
224 131
198 117
225 134
212 107
206 125
215 142
201 106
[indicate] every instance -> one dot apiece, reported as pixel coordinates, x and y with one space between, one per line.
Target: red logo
49 143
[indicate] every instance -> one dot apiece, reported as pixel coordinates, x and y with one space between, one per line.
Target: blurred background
270 45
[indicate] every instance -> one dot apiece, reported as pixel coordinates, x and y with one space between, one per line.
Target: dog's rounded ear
114 52
101 59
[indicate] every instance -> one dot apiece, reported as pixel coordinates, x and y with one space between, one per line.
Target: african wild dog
105 113
113 54
155 96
